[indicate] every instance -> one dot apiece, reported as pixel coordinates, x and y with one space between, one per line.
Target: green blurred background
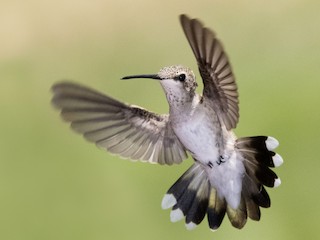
55 185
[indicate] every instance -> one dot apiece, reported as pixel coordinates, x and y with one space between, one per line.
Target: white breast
201 135
198 132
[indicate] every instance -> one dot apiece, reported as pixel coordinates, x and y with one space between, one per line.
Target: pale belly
201 137
204 141
200 140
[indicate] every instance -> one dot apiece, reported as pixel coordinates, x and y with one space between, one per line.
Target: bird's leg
221 160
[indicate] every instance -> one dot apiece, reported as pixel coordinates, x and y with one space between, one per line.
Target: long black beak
150 76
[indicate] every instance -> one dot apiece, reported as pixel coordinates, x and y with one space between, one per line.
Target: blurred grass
54 185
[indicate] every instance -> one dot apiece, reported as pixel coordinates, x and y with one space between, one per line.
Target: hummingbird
228 175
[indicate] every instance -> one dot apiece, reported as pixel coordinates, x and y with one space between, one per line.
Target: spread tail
192 196
189 197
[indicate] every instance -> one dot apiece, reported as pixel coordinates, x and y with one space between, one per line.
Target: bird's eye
182 77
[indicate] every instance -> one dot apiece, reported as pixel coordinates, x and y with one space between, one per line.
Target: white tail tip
168 201
277 182
277 160
272 143
191 226
176 215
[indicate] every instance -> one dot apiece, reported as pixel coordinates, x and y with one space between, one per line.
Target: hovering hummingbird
228 174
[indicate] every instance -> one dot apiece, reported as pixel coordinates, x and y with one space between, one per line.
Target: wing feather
220 88
130 131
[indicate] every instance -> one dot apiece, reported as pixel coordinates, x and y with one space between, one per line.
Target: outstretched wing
129 131
219 83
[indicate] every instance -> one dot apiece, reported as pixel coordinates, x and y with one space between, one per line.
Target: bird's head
177 81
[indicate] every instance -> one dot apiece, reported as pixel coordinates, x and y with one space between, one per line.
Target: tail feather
262 198
258 157
216 210
266 176
198 208
192 196
238 217
258 149
188 197
253 209
260 173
